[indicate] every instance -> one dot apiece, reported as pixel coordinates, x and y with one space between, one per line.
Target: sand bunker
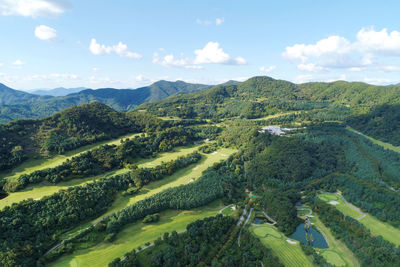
333 202
291 242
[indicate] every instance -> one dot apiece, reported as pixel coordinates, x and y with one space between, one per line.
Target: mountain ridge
32 106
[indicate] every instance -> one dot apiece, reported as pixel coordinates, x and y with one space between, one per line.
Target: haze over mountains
16 104
59 91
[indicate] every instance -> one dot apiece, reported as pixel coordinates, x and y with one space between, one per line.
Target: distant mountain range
16 104
60 91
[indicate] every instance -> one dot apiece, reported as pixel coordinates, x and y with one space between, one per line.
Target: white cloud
219 21
1 64
336 52
304 78
119 49
378 81
171 61
44 32
212 53
382 42
33 8
95 69
309 67
18 62
267 70
331 45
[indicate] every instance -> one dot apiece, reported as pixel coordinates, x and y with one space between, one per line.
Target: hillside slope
10 96
28 106
69 129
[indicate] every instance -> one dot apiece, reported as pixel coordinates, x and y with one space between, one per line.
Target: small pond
259 220
300 235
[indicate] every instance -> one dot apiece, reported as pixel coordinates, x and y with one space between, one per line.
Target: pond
301 235
259 220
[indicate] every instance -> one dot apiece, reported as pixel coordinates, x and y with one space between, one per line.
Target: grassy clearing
289 254
375 141
135 235
45 189
276 115
337 254
228 211
44 163
333 258
376 226
338 202
170 118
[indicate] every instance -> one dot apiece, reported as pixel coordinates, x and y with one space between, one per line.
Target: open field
376 226
45 189
289 254
375 141
338 253
227 211
276 115
44 163
136 235
167 156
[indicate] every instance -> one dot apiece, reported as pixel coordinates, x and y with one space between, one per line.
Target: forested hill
261 96
69 129
21 105
10 96
369 108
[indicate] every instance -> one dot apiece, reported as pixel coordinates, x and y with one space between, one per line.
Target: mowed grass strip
45 189
289 254
337 201
32 165
375 141
136 235
377 227
181 177
338 253
333 258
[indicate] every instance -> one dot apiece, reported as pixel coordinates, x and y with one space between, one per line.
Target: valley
166 175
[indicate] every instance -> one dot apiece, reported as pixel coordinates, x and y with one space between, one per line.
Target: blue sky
128 44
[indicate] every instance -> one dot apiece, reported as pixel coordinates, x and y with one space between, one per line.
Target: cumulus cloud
170 61
33 8
267 69
44 32
119 49
212 53
336 52
18 62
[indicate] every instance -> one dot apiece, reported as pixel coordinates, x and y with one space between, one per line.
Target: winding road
240 220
